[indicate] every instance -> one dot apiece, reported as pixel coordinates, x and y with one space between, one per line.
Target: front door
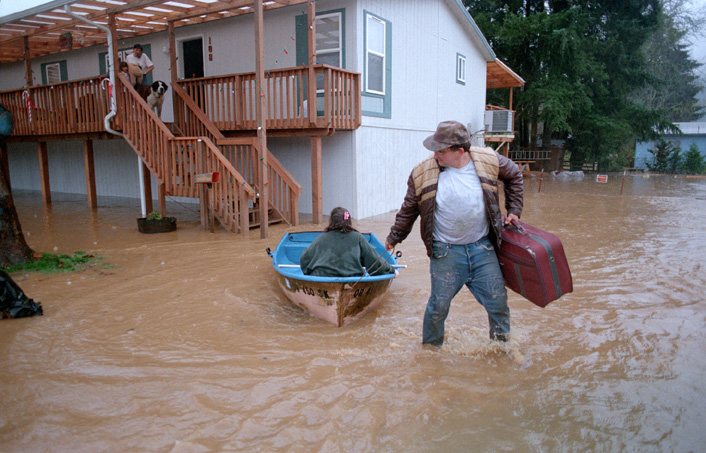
192 53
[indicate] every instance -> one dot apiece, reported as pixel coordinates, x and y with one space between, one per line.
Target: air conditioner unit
498 121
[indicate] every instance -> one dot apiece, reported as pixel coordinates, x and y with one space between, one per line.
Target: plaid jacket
421 195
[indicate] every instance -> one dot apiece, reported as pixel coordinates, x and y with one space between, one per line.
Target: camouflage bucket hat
448 133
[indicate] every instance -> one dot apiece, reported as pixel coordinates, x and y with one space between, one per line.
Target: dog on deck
154 95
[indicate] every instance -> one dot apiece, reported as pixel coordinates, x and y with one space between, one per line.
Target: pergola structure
48 29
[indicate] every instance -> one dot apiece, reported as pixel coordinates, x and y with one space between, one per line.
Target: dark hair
340 220
123 64
137 46
466 147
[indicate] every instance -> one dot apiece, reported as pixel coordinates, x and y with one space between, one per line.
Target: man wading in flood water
455 192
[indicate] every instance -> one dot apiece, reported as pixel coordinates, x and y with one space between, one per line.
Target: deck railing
229 198
529 154
77 106
229 101
242 153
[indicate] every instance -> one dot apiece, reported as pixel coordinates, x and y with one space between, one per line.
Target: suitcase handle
516 226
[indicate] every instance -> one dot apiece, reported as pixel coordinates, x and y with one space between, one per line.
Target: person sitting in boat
342 251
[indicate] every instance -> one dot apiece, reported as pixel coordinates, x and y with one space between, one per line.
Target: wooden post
28 63
44 171
147 180
261 122
171 36
311 85
5 160
177 104
204 192
161 200
90 174
244 213
316 181
30 82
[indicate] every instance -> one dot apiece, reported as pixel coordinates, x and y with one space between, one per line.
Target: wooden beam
171 37
311 85
44 171
260 112
90 174
161 200
316 181
28 62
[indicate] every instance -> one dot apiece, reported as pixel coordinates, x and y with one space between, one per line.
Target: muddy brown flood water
183 342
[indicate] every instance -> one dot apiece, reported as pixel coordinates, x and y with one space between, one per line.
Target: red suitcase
534 264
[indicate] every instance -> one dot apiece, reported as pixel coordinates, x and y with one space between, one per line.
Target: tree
13 247
581 60
663 157
673 84
693 161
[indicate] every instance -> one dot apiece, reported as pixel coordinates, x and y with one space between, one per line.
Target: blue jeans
476 266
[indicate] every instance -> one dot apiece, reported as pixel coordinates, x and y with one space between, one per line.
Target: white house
419 62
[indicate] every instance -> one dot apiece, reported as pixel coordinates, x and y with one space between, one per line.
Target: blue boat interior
292 245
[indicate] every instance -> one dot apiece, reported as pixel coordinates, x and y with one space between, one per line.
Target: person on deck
124 68
341 251
455 192
140 64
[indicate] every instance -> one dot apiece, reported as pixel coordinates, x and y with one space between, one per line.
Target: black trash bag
13 302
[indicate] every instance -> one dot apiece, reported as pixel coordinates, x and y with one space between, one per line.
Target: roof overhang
47 27
498 75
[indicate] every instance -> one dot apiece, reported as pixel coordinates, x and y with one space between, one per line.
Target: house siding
693 133
427 36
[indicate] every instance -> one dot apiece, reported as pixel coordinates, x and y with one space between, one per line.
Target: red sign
601 178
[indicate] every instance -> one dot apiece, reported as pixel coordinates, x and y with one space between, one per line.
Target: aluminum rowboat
338 300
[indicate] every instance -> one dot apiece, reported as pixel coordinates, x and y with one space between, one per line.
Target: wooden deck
78 107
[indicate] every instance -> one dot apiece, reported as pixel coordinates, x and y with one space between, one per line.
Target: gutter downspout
113 107
111 63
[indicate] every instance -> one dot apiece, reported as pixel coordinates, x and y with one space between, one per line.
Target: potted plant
155 223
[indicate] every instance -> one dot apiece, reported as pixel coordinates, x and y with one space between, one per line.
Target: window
54 72
377 68
460 69
328 39
122 56
330 44
375 55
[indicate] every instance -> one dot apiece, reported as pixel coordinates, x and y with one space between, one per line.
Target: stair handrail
204 125
140 124
209 129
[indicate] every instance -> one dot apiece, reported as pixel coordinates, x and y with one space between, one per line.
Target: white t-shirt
143 62
459 216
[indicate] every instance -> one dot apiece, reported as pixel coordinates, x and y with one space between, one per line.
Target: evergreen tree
673 83
693 161
581 61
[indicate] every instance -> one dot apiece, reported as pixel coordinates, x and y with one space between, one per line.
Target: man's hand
507 220
389 247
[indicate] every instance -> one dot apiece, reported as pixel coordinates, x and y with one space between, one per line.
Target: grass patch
49 263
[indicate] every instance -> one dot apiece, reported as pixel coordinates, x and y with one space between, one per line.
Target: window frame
373 95
460 69
63 72
368 51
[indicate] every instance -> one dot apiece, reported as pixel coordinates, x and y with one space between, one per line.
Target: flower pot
149 226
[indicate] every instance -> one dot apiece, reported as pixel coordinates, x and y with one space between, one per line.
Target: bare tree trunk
13 247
